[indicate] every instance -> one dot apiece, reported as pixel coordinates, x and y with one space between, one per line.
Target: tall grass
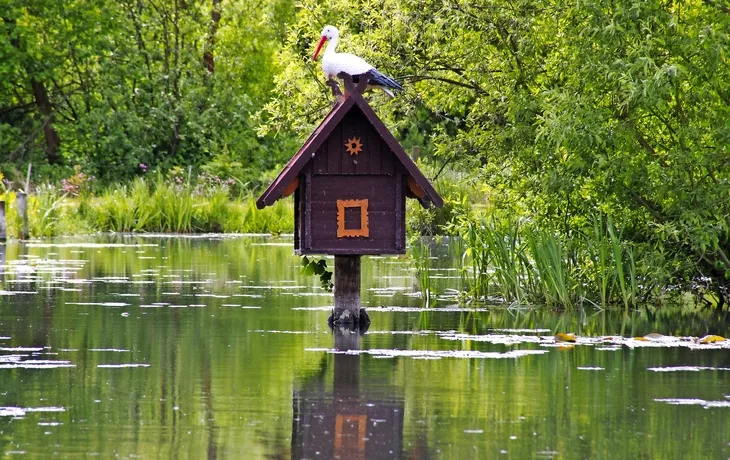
476 257
421 256
522 263
181 208
508 259
150 206
625 269
552 272
45 212
600 271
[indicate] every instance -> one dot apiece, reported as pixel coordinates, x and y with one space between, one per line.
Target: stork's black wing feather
379 79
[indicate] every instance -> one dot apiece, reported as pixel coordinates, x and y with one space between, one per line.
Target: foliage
318 268
112 85
569 109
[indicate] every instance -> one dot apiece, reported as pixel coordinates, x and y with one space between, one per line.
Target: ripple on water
119 366
35 364
100 304
435 354
3 292
693 402
21 411
687 369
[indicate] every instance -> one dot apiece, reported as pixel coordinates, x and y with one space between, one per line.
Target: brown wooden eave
304 154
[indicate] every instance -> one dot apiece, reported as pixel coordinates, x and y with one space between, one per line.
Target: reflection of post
2 262
350 415
347 367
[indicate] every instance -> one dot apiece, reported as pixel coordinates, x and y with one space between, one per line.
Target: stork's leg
332 83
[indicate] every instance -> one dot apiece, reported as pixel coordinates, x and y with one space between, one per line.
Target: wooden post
347 291
3 257
3 227
21 200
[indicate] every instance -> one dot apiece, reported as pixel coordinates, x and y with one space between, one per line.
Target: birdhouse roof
353 101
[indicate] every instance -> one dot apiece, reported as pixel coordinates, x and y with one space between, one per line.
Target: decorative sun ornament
353 146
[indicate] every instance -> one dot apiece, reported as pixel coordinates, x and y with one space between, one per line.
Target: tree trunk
215 19
44 107
40 93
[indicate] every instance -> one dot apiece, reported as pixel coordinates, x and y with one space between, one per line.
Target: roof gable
353 100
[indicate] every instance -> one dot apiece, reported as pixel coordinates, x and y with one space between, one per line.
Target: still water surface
217 347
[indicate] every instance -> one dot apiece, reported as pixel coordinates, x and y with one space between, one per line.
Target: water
158 347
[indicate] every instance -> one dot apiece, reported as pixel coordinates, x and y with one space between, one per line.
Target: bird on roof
333 63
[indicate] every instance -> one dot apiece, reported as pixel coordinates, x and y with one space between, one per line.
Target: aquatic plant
420 253
521 263
46 211
551 267
161 205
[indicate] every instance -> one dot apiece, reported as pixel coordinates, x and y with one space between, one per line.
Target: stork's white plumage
334 63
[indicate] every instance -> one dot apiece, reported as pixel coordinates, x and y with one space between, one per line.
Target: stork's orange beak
319 47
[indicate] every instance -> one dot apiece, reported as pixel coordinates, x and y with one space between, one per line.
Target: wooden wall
334 174
375 158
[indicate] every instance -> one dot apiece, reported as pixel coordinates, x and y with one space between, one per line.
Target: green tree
161 82
569 109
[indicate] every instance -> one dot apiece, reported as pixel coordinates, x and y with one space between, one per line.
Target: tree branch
416 78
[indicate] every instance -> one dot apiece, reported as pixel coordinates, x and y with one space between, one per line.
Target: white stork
334 63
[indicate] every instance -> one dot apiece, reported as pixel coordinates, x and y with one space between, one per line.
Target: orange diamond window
347 224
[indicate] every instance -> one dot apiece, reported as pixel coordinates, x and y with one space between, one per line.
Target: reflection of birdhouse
350 181
345 422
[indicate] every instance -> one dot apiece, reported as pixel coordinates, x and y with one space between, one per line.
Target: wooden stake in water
27 179
347 291
21 201
2 221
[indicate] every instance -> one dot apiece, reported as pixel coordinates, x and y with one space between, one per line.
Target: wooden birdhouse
350 181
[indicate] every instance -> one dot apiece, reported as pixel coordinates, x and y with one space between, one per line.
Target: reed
551 265
625 266
117 212
421 257
474 233
45 217
522 263
508 259
599 267
175 204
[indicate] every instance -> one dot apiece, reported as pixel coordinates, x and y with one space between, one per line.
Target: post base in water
347 290
348 319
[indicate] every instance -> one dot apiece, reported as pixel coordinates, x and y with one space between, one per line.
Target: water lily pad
565 337
711 339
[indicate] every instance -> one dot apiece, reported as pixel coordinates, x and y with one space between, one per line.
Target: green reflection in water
231 366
